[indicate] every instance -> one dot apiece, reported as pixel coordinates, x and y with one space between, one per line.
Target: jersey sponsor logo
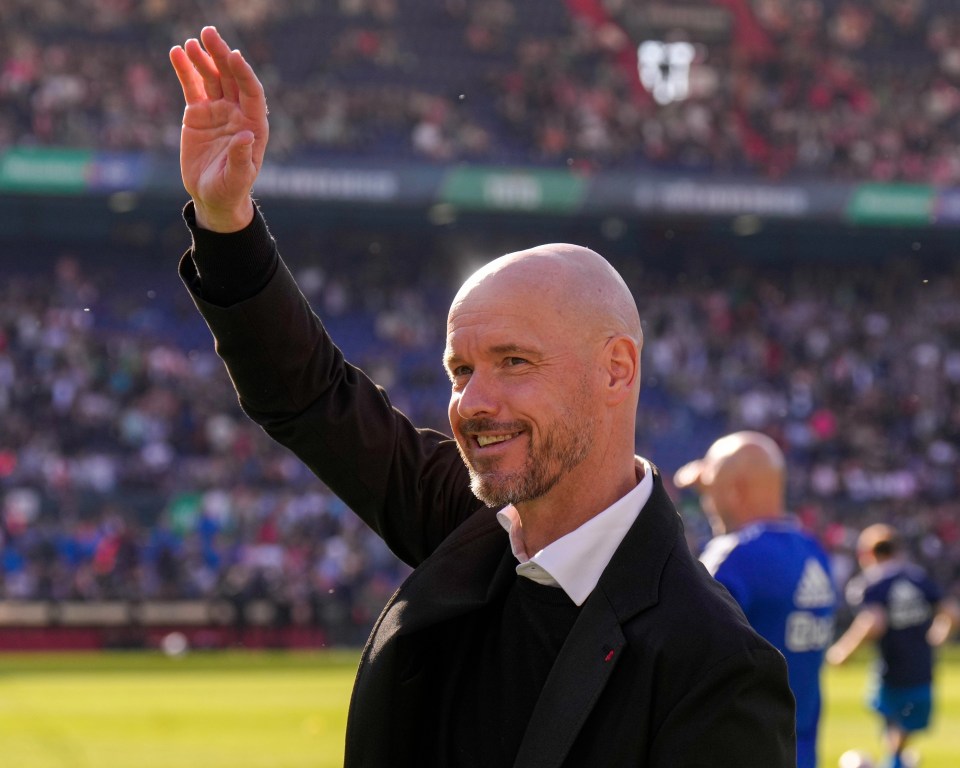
907 605
815 589
806 631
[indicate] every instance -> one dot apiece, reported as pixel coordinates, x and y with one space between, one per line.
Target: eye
511 362
459 372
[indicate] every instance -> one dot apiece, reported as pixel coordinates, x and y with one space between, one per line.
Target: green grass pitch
847 723
202 710
288 710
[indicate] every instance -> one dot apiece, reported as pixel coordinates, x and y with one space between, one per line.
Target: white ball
175 644
854 758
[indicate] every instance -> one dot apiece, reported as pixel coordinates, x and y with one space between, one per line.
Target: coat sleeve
408 484
739 714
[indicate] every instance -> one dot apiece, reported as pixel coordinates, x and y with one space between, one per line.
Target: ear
622 369
742 487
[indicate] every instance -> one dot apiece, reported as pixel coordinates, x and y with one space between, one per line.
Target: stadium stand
824 88
127 471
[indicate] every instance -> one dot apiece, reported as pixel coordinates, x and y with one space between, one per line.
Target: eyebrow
512 349
450 361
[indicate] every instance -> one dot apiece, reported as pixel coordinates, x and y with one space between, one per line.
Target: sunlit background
778 181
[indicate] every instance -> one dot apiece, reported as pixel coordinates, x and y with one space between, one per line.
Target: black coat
660 669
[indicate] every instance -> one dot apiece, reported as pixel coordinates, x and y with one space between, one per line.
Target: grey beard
563 449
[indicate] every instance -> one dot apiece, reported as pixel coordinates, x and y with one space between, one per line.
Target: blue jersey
780 576
909 599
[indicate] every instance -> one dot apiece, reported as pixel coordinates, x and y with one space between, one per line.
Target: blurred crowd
844 89
127 470
855 372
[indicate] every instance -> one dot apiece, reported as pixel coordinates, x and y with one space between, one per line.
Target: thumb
228 207
240 155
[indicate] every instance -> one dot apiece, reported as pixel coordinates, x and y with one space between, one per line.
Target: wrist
224 221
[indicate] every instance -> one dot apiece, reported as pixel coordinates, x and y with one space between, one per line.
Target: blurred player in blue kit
907 615
779 574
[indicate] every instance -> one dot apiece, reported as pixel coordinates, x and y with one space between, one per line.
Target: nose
478 397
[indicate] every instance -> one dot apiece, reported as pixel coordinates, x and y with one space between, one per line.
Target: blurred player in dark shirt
907 615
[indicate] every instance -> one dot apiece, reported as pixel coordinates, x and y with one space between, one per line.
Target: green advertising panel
893 204
45 170
528 190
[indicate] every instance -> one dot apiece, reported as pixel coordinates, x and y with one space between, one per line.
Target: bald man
554 616
776 572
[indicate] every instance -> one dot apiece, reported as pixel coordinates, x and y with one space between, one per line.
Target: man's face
522 407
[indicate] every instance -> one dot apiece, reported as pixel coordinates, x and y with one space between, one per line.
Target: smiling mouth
484 440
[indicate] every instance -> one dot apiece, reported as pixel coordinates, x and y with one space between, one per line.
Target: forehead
529 302
496 321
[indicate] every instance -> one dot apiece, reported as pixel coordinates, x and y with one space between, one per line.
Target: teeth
484 440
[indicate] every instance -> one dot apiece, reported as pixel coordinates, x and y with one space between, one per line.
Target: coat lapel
467 570
629 585
578 677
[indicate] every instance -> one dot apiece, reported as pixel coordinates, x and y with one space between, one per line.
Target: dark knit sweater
483 705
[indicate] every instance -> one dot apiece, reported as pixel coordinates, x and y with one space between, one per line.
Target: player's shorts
907 707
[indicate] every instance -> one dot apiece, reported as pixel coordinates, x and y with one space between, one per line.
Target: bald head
576 284
543 353
741 479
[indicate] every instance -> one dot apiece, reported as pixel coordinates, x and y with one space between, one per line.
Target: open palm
225 130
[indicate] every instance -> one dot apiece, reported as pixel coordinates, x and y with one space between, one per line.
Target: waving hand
224 132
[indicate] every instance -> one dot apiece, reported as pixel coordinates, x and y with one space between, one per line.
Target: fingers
190 80
209 69
250 90
205 67
217 57
196 71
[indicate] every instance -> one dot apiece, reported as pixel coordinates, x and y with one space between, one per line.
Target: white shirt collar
576 561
